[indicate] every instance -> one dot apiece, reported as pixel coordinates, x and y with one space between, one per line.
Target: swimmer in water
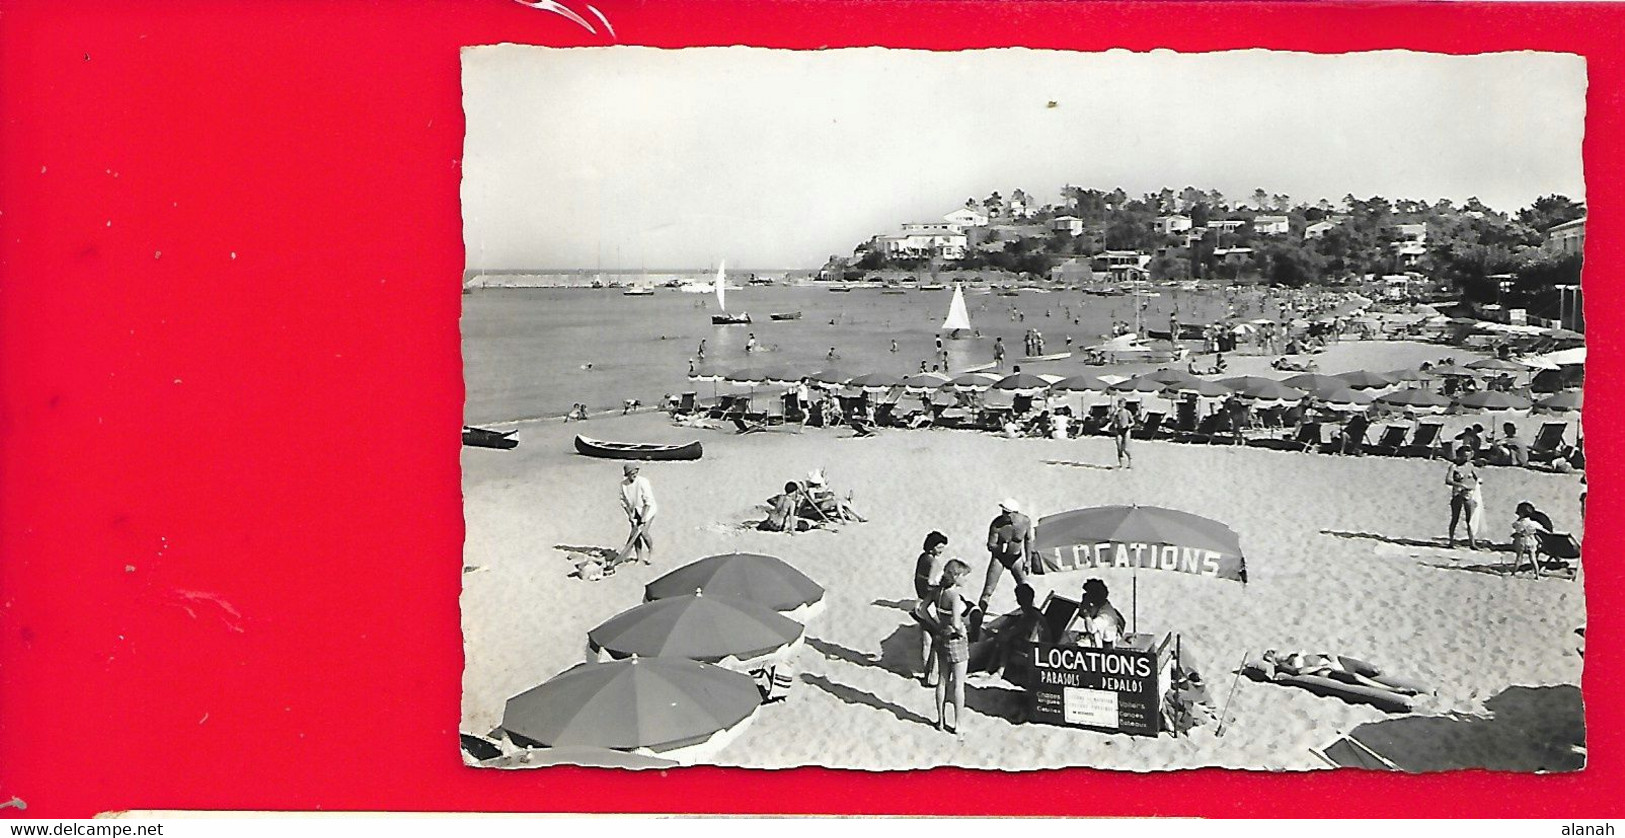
587 367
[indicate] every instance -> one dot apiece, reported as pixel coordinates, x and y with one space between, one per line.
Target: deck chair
884 414
1388 445
775 413
1204 431
1095 421
1307 439
1425 443
687 405
1548 442
1149 426
1351 439
1561 546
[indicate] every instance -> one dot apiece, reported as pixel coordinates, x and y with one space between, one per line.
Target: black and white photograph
1017 409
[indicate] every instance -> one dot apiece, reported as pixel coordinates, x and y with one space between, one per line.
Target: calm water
525 350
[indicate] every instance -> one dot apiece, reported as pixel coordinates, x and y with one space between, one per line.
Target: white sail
722 284
957 318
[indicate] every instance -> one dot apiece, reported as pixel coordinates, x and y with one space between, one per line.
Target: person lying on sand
1337 668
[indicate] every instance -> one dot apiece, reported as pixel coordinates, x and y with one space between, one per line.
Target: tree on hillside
1548 211
1170 264
1261 199
1286 262
992 204
1190 196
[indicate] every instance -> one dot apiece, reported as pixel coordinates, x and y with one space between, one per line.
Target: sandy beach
1330 546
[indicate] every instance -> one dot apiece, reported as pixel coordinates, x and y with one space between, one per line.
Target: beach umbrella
706 373
1312 381
925 381
1561 358
973 381
1139 384
874 381
1363 379
1346 398
1412 375
1207 389
753 577
745 375
1453 371
782 375
1570 400
1242 382
1082 383
1171 376
1268 389
695 626
830 376
656 703
1149 537
1497 365
1021 382
1493 400
583 755
1415 400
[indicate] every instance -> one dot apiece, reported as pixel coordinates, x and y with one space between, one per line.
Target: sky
631 157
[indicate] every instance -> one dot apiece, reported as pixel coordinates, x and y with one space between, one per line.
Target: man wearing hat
1009 540
638 499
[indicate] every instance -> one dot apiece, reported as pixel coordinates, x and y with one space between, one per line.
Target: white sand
1413 610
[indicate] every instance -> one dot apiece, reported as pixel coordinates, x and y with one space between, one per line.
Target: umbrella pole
1223 713
1134 603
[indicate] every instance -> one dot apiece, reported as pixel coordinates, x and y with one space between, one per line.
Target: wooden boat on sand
785 315
637 450
486 438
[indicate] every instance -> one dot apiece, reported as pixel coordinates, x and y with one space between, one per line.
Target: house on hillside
1272 225
1411 244
1232 255
1121 265
1568 237
967 217
1225 225
1319 228
1170 225
948 243
1069 224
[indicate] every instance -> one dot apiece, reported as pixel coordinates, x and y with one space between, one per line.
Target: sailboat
958 319
725 319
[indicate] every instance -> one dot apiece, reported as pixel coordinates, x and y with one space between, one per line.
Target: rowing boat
485 438
637 450
785 315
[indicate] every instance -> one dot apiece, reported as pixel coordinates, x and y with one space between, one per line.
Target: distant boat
958 319
726 319
935 286
894 291
785 315
638 292
1011 293
637 451
1059 356
840 289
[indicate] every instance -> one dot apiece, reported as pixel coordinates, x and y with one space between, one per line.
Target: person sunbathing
1337 668
783 517
824 502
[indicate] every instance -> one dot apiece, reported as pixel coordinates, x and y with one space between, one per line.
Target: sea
531 353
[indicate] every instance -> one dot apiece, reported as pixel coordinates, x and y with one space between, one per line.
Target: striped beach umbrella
1242 382
1139 384
1497 365
659 703
782 375
1411 375
1021 382
1206 389
1270 390
746 375
1312 381
874 382
830 376
922 381
1453 371
973 381
1415 401
1346 398
1366 379
1171 376
1082 383
1493 400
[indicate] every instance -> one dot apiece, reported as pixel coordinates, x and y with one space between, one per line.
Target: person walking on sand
1466 497
1009 540
701 351
927 575
1122 423
638 501
953 656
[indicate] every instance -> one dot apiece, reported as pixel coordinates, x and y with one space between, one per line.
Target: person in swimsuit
1122 423
1337 668
953 653
927 573
1526 530
1466 497
1009 540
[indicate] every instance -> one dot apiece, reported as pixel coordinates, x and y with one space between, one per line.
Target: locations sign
1103 689
1142 555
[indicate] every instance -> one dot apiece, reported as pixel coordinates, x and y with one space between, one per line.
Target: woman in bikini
953 645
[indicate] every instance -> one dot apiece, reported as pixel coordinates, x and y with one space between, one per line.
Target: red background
229 506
